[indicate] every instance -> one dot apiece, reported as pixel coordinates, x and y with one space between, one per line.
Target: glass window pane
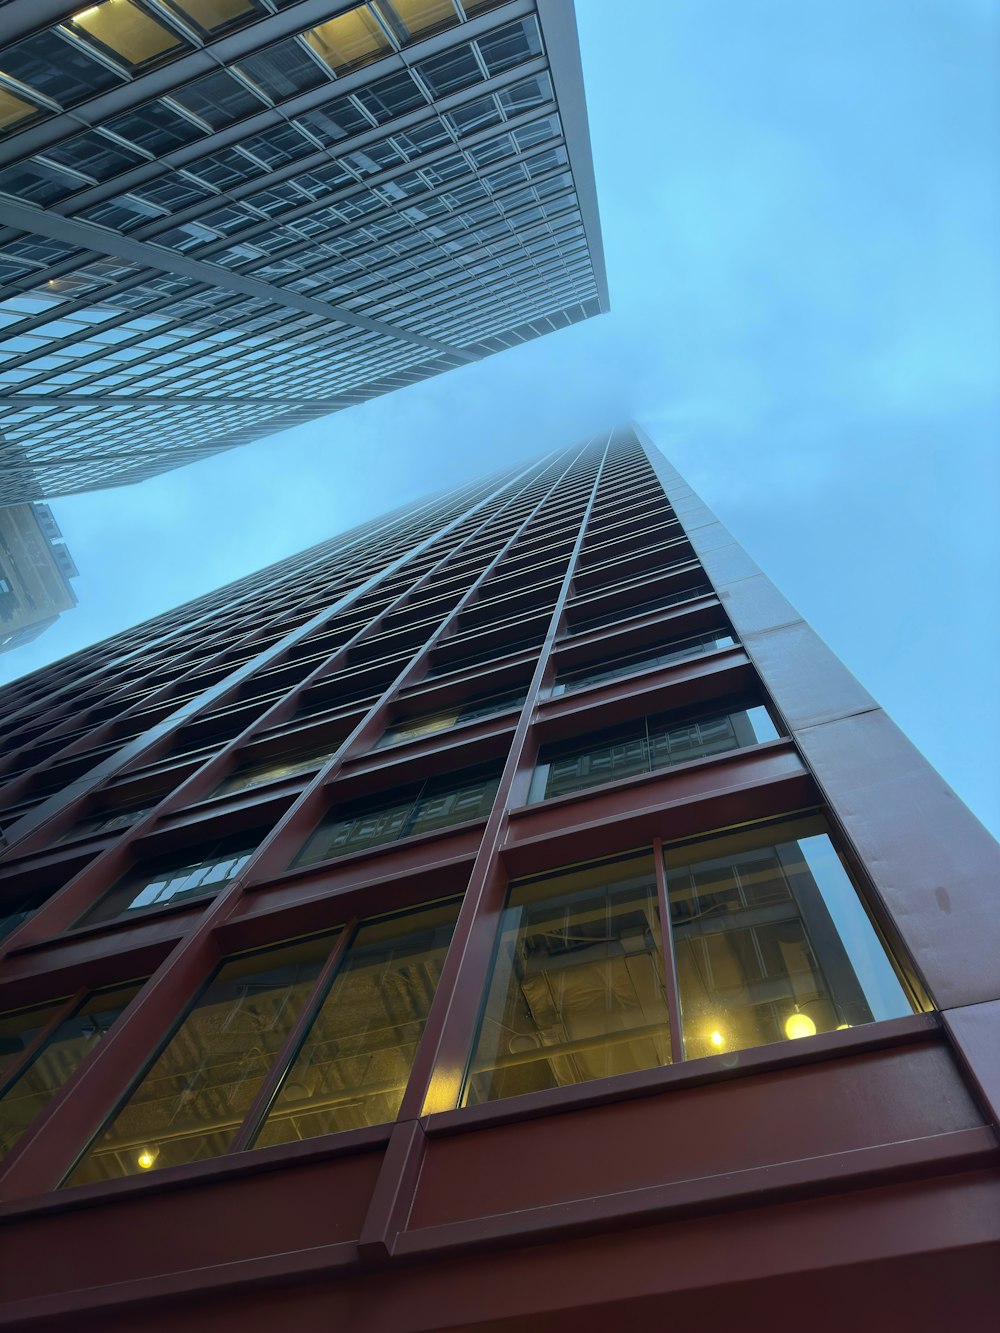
213 14
577 990
57 1061
354 1064
193 1099
19 1030
349 40
56 67
190 874
415 18
126 31
772 941
14 109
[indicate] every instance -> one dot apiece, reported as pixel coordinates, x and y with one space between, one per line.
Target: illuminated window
417 18
577 990
772 941
126 31
211 15
771 944
349 40
281 1045
56 1060
194 1097
14 109
354 1064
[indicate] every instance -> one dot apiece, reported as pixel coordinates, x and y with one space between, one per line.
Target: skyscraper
219 218
506 915
35 572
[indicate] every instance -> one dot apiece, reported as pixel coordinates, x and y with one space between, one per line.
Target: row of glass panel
643 746
770 943
95 48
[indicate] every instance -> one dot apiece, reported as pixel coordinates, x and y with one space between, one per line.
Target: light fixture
717 1039
842 1026
147 1158
799 1025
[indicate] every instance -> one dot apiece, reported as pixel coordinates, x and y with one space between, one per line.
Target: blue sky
801 204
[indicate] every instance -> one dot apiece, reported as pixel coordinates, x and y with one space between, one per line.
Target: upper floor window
770 943
644 746
194 873
640 608
220 1083
286 766
450 798
412 728
642 659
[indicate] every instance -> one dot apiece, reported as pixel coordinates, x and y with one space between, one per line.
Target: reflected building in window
36 570
222 218
510 888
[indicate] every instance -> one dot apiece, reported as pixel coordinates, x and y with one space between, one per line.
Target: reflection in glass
429 724
19 1030
194 873
354 1064
439 802
643 747
56 1061
349 40
286 767
213 14
644 659
577 989
125 30
772 942
191 1102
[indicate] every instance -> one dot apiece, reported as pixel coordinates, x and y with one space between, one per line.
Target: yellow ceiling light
799 1025
146 1159
717 1039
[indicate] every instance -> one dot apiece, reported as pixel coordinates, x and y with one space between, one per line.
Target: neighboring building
35 573
507 915
219 218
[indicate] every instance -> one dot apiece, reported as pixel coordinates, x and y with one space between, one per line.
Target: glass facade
31 1089
283 1045
435 804
578 989
179 878
770 943
395 179
644 746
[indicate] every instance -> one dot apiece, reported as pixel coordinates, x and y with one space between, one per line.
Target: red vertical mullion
439 1065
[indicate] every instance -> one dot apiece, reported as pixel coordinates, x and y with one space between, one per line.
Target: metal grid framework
596 550
226 228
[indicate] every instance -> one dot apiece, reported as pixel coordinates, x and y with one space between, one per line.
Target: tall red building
507 915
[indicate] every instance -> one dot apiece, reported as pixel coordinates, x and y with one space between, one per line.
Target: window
640 608
125 31
482 706
771 943
643 659
14 110
438 802
281 1045
109 821
288 766
195 873
213 15
578 988
56 1060
644 746
418 18
350 40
